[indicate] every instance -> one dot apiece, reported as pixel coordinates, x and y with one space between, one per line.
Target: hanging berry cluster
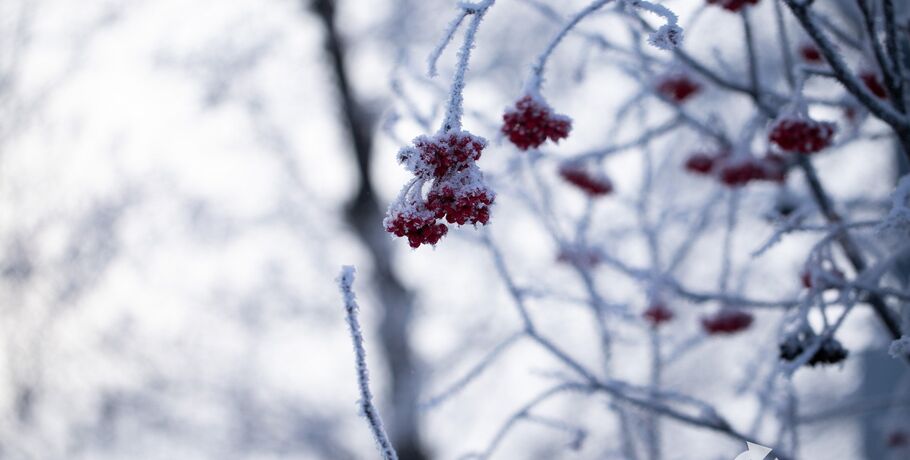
458 193
677 87
531 122
738 170
829 352
801 134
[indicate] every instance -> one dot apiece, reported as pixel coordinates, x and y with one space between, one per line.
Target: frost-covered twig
369 412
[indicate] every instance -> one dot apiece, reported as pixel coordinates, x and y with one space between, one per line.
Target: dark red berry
802 135
874 84
531 122
677 87
811 54
657 314
701 163
416 223
806 278
898 439
461 200
438 155
727 321
591 184
732 5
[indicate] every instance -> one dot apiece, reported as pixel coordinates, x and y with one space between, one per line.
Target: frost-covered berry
657 314
437 155
531 122
811 54
702 163
727 321
831 351
462 198
732 5
874 83
413 220
677 87
801 134
593 184
667 37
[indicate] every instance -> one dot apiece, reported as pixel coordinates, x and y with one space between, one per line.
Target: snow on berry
810 54
591 183
657 314
727 321
732 5
435 156
461 198
413 220
874 83
531 122
831 351
801 134
667 37
677 87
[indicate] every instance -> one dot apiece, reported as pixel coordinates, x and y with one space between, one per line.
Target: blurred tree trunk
364 214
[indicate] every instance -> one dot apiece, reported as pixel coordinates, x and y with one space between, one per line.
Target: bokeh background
179 186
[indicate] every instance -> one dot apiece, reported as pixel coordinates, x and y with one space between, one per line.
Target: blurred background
180 182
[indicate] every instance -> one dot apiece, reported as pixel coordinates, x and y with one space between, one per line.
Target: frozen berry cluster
531 122
737 171
458 193
800 134
829 352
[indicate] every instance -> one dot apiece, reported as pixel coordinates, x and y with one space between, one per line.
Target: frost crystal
900 347
667 37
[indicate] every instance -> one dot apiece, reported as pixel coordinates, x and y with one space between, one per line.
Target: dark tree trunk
364 214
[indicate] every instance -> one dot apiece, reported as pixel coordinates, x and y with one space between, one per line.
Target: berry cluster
801 134
830 352
531 122
737 171
732 5
874 83
727 321
594 185
657 314
457 193
677 87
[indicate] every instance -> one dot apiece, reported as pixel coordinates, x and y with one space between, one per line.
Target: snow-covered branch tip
367 410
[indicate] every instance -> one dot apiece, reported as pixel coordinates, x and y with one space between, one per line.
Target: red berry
657 314
727 321
677 87
732 5
461 199
811 54
440 154
593 185
874 83
802 135
701 163
531 122
415 222
738 171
